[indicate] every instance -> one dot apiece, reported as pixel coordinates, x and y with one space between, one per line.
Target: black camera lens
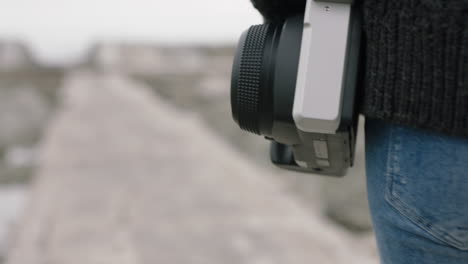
251 84
264 75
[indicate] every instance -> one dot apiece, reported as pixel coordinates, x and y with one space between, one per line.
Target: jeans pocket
427 182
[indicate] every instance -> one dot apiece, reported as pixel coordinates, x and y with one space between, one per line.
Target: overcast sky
61 30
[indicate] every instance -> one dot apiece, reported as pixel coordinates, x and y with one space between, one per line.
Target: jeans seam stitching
417 219
404 209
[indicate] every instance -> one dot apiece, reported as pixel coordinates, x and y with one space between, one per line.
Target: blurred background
117 145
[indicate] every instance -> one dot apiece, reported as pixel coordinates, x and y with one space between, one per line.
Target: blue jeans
418 194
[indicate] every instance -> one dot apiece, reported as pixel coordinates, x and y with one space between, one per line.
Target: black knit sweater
416 61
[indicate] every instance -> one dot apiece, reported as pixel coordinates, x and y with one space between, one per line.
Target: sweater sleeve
276 10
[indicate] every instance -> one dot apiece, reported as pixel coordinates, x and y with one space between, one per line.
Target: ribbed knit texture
416 60
417 63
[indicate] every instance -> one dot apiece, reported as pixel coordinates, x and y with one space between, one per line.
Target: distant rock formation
155 59
23 113
14 55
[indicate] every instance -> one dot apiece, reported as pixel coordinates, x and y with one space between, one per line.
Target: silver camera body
296 83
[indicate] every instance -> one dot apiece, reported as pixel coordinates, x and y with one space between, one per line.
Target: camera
295 83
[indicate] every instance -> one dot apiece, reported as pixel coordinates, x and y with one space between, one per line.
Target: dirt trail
127 178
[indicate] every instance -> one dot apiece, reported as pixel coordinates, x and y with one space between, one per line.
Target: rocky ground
190 83
197 80
147 183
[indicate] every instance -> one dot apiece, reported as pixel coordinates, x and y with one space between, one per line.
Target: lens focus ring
249 79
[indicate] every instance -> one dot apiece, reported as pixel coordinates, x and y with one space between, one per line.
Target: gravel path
126 178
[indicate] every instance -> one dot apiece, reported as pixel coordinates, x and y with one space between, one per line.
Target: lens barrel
264 78
251 84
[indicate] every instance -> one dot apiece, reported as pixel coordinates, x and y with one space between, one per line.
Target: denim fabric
418 194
